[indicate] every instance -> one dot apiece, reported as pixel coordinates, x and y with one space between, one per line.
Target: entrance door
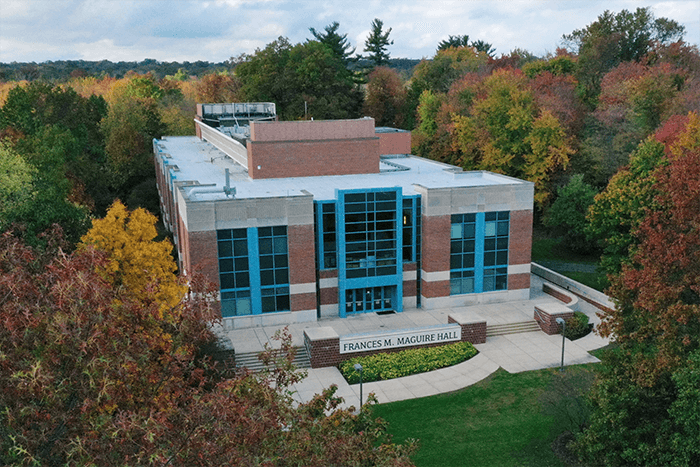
369 299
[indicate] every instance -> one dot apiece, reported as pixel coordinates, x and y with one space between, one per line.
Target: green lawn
504 420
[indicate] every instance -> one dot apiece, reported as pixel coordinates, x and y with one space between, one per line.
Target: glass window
490 273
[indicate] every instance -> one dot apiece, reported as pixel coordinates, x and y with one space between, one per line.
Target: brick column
302 267
546 316
436 256
323 345
520 249
473 328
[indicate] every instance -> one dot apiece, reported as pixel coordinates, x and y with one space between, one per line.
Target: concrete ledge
562 295
590 295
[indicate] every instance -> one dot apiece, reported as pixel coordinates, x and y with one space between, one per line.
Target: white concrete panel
435 276
410 275
328 282
519 268
309 287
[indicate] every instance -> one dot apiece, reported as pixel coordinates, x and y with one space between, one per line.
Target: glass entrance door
369 299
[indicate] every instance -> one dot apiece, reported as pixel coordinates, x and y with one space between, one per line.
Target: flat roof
200 163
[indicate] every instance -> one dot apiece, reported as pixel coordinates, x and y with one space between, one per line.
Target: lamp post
562 323
358 367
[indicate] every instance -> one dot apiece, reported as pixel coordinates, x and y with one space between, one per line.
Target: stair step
512 328
250 360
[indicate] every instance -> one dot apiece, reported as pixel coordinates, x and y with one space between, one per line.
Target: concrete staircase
250 360
512 328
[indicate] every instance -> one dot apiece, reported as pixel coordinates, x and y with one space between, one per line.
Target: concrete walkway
513 352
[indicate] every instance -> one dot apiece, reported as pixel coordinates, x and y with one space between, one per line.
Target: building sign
368 342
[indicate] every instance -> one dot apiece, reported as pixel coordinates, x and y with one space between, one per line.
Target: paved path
514 353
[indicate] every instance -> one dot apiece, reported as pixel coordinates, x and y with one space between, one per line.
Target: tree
640 400
567 215
133 121
616 38
618 211
303 77
92 375
386 97
453 41
377 43
483 47
135 260
16 184
339 44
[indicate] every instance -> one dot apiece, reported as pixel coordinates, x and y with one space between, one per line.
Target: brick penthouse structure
299 221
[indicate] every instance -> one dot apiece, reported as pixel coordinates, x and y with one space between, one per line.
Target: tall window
253 270
462 253
234 272
274 268
496 227
327 244
370 234
479 252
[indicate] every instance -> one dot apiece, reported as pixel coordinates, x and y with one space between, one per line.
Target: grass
551 249
501 421
598 281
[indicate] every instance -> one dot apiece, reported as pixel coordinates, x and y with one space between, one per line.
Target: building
300 221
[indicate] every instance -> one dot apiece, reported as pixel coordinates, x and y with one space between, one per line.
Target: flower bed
384 366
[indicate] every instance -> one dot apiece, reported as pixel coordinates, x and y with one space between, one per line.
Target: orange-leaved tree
135 260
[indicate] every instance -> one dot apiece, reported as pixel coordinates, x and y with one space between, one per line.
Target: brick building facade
299 221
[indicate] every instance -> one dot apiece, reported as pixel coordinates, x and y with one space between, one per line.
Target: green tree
567 214
132 122
377 43
483 47
297 78
338 43
618 211
453 41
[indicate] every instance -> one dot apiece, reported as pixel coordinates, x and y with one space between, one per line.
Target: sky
215 30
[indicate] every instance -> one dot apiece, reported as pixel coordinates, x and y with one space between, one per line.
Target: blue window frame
411 228
371 234
369 249
479 252
326 240
253 270
234 272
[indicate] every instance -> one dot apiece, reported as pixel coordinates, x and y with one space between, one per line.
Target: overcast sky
184 30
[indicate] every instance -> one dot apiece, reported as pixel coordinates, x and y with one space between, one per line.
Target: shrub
383 366
577 326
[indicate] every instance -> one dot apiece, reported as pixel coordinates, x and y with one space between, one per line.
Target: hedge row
383 366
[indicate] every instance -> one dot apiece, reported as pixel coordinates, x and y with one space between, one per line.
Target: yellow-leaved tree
144 266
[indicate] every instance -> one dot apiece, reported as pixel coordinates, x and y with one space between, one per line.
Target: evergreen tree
377 43
338 43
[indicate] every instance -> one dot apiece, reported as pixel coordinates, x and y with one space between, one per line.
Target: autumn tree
92 374
377 43
136 261
640 402
386 97
616 38
617 212
512 135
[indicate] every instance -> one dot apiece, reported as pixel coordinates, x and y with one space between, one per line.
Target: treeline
63 70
